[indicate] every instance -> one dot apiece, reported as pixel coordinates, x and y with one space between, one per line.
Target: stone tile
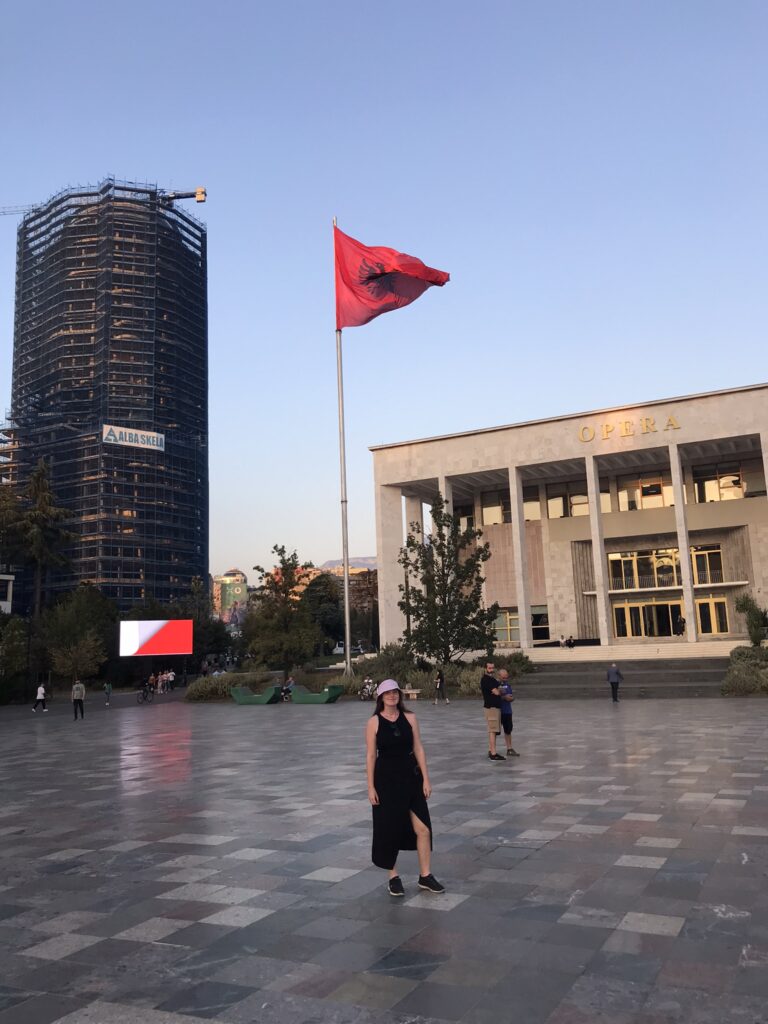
651 924
237 917
152 930
60 946
633 861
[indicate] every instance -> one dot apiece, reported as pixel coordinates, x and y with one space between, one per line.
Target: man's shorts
493 719
506 724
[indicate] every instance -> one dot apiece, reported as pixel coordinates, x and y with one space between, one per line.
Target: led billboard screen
159 636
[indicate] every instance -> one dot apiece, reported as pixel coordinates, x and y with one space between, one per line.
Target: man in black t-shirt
492 707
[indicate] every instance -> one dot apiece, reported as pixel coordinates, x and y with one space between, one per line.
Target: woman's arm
370 757
418 753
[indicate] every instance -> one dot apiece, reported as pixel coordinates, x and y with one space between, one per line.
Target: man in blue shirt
505 692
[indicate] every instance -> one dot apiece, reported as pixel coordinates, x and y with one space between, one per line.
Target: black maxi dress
399 784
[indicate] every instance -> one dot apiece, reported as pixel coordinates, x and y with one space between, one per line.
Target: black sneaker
512 752
496 757
396 886
430 883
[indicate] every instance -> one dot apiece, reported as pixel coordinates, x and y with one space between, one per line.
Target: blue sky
591 174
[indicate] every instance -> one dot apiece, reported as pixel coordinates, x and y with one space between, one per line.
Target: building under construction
110 386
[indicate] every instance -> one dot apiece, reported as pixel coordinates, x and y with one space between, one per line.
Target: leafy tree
757 618
37 534
76 648
322 599
279 630
442 593
13 657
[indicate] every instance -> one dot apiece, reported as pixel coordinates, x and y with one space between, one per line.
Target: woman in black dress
440 691
398 788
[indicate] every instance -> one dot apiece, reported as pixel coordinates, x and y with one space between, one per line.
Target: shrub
749 655
210 688
743 680
756 617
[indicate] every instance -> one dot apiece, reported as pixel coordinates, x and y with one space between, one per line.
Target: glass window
540 622
629 494
723 482
507 625
557 496
531 504
605 496
730 482
496 507
578 503
753 478
466 515
651 494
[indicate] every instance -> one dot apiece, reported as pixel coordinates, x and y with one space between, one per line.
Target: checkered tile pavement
177 863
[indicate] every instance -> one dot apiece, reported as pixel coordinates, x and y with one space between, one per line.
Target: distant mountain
354 563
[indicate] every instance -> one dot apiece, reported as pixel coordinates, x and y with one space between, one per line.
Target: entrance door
712 614
649 619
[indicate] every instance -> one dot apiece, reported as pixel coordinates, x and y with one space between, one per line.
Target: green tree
322 598
37 534
13 658
443 589
757 618
75 646
279 630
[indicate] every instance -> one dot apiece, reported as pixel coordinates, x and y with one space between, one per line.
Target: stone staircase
669 671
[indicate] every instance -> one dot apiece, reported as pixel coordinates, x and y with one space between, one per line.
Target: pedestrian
108 691
570 643
78 697
152 683
507 697
172 680
440 690
680 625
614 677
492 708
398 788
562 640
286 692
40 698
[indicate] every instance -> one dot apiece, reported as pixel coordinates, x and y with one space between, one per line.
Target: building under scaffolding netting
110 386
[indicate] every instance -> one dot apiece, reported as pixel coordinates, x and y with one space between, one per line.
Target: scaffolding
111 328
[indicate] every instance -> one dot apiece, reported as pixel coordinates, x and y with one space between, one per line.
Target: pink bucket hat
386 686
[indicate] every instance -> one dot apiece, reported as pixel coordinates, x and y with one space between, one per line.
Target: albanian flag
371 280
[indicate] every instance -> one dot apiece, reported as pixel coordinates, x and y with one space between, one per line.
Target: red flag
371 280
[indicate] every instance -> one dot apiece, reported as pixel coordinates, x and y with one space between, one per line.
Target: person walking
440 691
492 708
78 698
614 677
108 691
507 697
398 788
40 698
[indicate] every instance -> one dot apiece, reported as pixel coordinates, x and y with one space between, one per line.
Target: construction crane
166 198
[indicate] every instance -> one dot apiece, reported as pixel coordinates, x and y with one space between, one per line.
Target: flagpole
344 531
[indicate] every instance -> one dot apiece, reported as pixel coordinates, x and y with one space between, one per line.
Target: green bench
301 695
243 695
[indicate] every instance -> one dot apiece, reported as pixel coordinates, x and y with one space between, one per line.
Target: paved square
180 863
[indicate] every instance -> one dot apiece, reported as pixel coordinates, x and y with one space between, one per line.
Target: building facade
635 524
110 386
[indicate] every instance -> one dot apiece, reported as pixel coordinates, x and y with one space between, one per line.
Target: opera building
631 524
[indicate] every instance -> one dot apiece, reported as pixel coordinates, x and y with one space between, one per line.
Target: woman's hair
380 704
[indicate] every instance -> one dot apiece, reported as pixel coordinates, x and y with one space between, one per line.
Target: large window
568 500
647 491
497 507
508 624
466 515
725 481
639 570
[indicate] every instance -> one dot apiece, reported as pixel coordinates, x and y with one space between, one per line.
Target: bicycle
145 696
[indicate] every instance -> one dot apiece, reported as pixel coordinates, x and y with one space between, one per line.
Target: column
445 488
604 623
521 558
683 544
389 540
414 513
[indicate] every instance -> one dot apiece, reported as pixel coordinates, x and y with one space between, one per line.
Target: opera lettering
627 428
